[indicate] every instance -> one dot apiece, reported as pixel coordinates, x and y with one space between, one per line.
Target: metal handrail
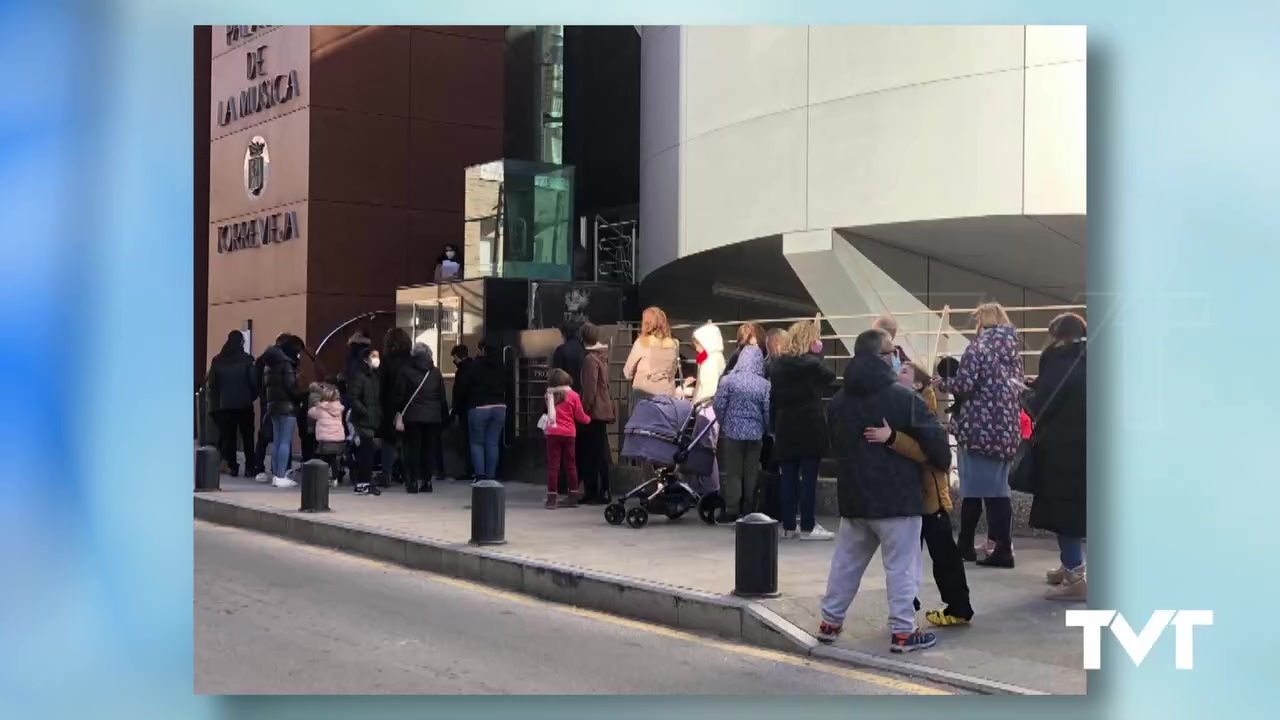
507 438
873 316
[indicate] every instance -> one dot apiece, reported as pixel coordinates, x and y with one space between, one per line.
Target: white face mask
449 254
375 362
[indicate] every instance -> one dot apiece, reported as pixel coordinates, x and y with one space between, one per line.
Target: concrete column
842 281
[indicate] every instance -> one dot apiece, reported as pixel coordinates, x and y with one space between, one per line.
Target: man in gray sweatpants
880 492
856 542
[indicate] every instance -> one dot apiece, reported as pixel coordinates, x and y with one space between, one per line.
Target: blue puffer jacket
742 400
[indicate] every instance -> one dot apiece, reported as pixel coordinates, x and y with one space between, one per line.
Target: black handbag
1022 474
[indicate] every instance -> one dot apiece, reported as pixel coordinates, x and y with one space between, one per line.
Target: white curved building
861 168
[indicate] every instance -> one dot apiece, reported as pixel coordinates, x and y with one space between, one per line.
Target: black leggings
594 458
999 520
231 422
421 456
948 563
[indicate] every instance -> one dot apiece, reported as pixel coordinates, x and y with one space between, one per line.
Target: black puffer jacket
363 399
429 404
231 380
280 382
873 481
1061 455
796 385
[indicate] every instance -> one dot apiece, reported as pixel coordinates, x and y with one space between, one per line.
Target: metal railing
529 373
625 334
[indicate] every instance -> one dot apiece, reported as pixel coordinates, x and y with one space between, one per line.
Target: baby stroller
673 435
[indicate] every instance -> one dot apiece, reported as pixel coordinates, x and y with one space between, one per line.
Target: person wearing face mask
797 380
366 417
889 324
880 491
935 529
449 264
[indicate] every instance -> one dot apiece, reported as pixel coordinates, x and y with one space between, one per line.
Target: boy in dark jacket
879 491
366 417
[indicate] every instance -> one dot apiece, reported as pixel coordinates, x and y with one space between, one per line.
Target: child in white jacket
709 343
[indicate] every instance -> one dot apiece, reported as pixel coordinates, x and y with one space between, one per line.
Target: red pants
561 449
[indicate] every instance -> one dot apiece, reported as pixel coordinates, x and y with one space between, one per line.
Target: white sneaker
790 534
263 478
283 482
817 533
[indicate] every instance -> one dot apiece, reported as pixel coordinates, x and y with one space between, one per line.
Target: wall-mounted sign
257 232
266 92
257 164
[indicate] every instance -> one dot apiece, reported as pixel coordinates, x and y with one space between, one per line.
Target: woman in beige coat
652 365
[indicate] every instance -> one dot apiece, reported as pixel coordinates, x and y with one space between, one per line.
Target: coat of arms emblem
576 301
256 163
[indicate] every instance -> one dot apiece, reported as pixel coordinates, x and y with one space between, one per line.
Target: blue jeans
1071 550
486 426
282 427
805 473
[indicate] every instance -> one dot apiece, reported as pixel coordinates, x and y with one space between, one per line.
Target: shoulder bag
399 421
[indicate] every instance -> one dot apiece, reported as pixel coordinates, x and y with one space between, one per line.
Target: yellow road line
884 681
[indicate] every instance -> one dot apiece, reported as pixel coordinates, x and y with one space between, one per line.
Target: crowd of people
779 411
889 440
389 405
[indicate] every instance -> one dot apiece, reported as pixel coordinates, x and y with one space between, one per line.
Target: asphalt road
275 617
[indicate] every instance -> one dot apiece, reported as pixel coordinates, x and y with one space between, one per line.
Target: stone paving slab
1017 638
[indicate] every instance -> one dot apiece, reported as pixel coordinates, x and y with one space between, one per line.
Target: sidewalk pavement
1017 638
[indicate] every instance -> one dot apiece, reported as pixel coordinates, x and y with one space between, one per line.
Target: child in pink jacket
564 412
331 432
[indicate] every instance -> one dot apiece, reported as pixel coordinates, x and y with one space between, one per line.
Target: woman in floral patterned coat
988 432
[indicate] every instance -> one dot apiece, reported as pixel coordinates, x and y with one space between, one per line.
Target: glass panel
466 303
519 221
481 242
551 44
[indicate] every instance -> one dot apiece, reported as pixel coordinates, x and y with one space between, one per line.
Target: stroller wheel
614 513
709 508
638 517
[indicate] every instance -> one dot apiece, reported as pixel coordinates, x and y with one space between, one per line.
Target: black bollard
756 557
208 467
488 513
315 486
